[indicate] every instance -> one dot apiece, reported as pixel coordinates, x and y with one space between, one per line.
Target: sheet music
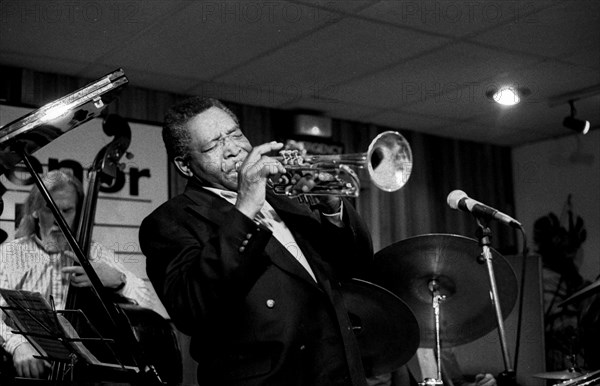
31 313
50 333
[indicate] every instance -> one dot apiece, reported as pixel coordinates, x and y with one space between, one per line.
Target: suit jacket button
270 303
242 249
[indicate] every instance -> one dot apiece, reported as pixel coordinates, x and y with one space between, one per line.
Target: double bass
156 337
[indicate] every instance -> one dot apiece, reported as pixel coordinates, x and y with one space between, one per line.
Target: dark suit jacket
255 315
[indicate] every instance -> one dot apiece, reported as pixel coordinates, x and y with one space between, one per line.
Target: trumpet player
253 277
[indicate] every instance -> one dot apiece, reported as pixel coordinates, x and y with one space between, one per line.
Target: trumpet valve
291 157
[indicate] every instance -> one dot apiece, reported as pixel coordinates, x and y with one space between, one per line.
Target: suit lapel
207 204
306 223
282 258
212 207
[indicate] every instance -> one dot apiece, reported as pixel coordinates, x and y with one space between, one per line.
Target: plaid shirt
25 265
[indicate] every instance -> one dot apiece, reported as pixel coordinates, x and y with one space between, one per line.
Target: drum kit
574 375
435 287
430 290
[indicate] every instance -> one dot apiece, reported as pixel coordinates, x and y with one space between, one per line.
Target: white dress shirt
268 218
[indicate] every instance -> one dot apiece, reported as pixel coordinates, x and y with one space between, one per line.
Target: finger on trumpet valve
238 165
323 176
291 157
283 179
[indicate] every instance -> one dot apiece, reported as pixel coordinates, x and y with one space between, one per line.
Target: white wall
545 173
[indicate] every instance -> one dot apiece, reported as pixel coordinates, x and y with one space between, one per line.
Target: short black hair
175 132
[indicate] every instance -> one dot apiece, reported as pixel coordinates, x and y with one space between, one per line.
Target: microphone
458 199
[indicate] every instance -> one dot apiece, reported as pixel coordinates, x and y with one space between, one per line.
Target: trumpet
388 161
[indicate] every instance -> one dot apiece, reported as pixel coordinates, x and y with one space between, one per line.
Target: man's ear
183 166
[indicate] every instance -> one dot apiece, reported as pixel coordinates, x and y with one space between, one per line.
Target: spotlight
579 125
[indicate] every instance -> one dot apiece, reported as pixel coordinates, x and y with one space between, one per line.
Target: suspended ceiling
416 65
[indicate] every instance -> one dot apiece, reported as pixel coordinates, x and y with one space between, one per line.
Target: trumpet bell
389 161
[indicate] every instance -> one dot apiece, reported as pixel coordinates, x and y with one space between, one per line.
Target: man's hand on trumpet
306 182
253 174
258 168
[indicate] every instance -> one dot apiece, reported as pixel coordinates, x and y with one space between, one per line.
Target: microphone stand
508 377
436 300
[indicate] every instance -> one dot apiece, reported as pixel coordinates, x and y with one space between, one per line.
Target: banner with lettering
140 186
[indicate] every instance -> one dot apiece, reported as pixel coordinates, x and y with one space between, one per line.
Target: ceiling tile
250 93
420 65
342 51
211 37
460 71
450 17
559 30
549 78
340 6
544 80
74 31
586 54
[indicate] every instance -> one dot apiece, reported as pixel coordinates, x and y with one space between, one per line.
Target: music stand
50 334
24 136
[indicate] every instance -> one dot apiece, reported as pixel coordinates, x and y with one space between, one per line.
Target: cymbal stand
436 298
484 236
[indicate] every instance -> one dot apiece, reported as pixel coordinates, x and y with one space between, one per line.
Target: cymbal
565 374
590 378
385 327
582 293
408 267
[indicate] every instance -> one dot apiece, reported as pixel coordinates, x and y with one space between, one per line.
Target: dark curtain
440 165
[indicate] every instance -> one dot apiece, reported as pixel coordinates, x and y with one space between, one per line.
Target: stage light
579 125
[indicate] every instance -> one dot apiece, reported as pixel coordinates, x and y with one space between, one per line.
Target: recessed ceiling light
507 95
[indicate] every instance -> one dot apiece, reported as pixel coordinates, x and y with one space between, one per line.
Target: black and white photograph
300 192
